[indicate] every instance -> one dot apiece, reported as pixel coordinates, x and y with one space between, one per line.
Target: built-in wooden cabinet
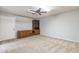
26 33
35 27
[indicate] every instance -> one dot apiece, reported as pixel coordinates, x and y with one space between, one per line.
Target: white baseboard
62 38
7 37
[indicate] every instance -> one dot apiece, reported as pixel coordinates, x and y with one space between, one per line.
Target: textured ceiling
24 10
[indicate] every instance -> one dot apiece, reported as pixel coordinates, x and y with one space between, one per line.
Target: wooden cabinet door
22 34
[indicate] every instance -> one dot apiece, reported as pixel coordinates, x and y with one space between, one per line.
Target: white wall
23 23
64 26
23 26
7 26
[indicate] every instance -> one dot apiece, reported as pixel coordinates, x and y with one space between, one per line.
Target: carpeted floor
40 44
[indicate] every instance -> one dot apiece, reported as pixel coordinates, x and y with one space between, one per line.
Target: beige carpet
43 44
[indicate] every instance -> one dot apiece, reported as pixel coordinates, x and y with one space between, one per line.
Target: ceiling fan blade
38 10
32 10
43 12
39 13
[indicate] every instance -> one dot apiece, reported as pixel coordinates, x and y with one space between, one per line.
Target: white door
7 27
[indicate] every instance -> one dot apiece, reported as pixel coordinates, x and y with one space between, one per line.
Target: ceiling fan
38 11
